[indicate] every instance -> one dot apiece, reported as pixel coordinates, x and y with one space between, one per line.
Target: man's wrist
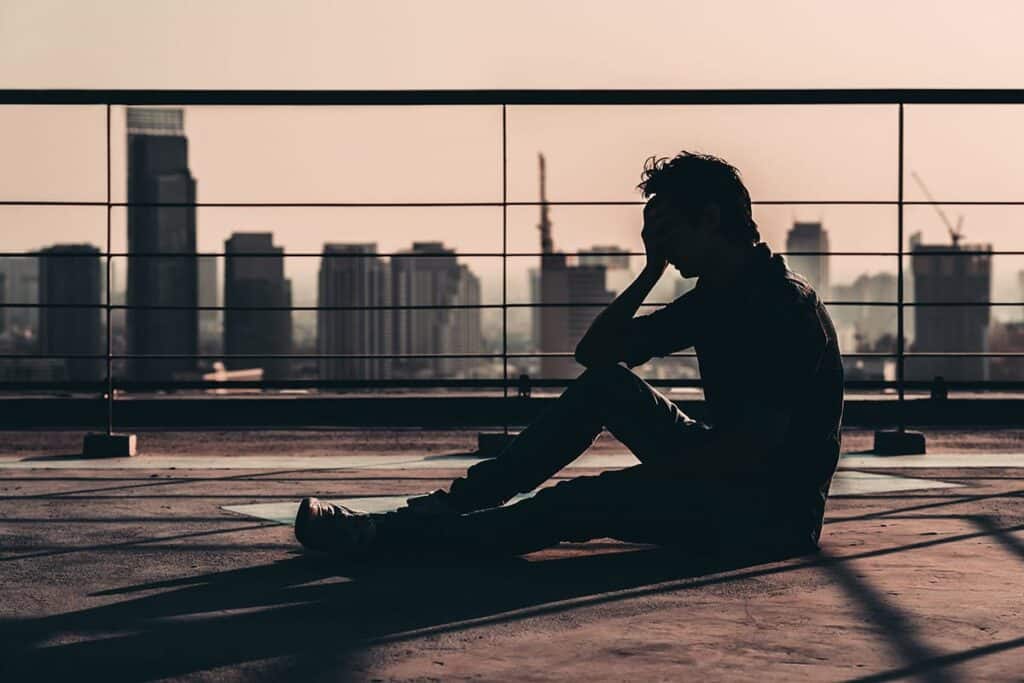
654 269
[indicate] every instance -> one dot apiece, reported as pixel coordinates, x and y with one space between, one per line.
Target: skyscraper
158 173
363 280
941 275
559 328
435 282
70 274
254 282
809 237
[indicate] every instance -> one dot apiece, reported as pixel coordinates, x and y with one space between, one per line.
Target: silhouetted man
755 475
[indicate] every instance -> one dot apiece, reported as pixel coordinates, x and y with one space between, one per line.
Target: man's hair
691 181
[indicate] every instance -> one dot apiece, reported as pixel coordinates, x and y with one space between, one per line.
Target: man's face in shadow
683 240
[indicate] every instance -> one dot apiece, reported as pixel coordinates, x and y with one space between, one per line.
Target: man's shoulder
785 290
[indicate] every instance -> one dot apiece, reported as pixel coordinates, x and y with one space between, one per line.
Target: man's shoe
334 528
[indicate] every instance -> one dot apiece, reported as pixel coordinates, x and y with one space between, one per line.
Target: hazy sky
453 154
527 43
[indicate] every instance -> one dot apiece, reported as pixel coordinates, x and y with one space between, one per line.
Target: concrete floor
139 573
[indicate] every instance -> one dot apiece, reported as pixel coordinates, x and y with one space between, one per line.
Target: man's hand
654 233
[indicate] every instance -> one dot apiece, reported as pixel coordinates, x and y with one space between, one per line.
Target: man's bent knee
600 386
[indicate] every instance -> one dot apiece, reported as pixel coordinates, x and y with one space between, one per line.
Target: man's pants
641 503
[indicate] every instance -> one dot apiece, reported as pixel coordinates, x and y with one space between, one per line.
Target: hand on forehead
661 215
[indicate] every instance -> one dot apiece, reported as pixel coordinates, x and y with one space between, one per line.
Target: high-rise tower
942 274
161 220
256 282
431 278
352 276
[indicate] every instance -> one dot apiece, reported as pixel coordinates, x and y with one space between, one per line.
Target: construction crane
955 233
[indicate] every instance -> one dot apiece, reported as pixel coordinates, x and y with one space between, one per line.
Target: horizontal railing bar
134 385
537 354
759 96
431 307
478 254
498 204
964 354
285 356
421 204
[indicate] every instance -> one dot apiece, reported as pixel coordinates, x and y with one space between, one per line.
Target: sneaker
334 528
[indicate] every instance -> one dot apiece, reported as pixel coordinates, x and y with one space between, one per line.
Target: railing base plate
899 442
102 445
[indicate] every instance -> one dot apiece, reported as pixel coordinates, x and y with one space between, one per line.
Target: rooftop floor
174 564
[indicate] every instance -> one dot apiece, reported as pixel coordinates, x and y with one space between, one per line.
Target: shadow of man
308 614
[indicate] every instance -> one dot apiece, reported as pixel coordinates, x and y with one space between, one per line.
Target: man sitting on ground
756 474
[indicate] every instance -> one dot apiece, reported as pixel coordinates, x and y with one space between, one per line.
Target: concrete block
102 445
899 442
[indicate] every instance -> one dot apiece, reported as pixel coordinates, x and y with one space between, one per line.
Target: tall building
256 282
558 329
21 286
158 173
352 281
943 275
436 281
809 237
70 274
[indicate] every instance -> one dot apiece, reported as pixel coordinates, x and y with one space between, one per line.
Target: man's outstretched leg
611 396
637 504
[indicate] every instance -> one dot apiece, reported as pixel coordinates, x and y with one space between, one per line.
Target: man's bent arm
604 341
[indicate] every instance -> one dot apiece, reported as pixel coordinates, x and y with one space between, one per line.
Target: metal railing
501 99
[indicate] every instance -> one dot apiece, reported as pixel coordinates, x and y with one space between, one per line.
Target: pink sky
522 44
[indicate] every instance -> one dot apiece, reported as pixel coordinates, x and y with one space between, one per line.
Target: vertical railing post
107 443
900 441
492 443
900 338
110 347
504 262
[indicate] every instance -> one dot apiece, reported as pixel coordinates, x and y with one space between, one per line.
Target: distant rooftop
350 247
153 121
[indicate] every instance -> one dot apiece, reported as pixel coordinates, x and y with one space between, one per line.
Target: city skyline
160 148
